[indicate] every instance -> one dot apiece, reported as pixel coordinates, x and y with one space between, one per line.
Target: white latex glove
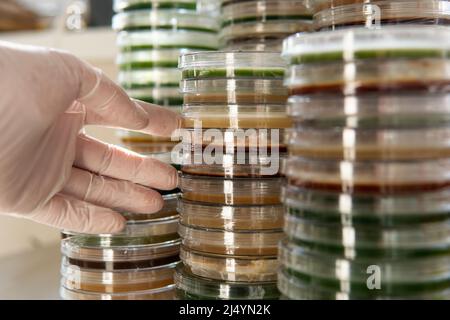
52 173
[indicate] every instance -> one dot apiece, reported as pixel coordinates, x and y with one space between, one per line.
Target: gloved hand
52 173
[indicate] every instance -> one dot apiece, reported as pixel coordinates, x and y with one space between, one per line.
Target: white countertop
32 275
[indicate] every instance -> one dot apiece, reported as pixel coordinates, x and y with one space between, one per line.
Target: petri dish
365 209
166 96
150 78
149 148
373 14
125 5
166 39
122 281
230 218
370 111
232 64
398 277
239 243
192 287
256 142
147 59
231 268
354 241
232 165
374 177
262 43
298 290
236 116
238 191
234 91
166 293
127 256
400 144
169 19
400 59
169 209
136 232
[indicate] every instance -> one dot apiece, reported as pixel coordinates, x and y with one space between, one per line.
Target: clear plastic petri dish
230 218
374 14
166 39
365 209
236 116
391 59
126 5
138 220
149 78
119 281
192 287
401 144
375 177
147 59
239 243
137 231
296 289
398 277
257 142
238 191
268 29
167 293
166 96
127 256
234 91
232 64
232 165
262 43
371 111
231 268
362 241
168 19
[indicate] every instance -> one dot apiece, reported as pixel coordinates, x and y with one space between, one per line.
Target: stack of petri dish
336 14
151 36
231 215
137 264
369 162
262 24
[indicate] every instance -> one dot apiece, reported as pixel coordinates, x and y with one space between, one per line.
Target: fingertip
157 203
106 222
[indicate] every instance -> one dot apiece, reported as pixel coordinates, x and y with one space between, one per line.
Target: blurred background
29 253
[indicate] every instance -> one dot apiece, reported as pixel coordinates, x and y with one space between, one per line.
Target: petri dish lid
237 185
247 11
170 202
165 293
156 77
402 276
373 14
203 288
164 19
361 43
371 110
374 177
136 229
230 218
166 39
229 64
387 210
124 5
78 248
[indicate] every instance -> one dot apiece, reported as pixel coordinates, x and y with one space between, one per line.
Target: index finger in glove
108 104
